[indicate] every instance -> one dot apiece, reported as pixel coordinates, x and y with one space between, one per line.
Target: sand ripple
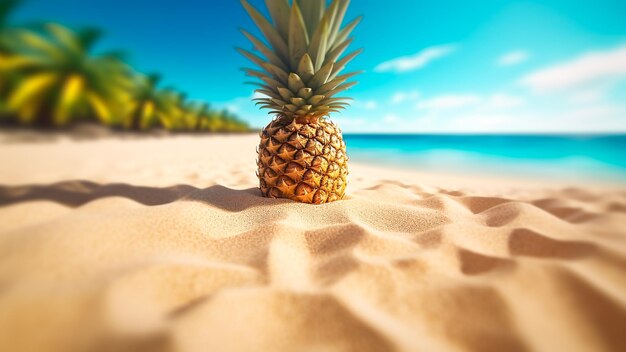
184 268
128 262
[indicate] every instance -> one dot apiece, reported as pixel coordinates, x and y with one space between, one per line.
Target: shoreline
478 180
95 133
85 135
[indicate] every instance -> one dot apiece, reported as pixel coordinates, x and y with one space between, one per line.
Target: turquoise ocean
597 158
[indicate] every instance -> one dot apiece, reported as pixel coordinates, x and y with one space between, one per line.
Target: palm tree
6 80
190 116
204 114
233 123
6 8
59 79
217 121
175 102
212 121
149 104
200 117
49 76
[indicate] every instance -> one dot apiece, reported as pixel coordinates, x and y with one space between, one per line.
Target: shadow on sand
78 192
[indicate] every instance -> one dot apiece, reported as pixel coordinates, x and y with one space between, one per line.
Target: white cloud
513 58
586 96
391 118
470 112
364 104
598 118
400 97
504 101
370 105
496 101
487 122
450 101
592 68
416 61
478 119
592 113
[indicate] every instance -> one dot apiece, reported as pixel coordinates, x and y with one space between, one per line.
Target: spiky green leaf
345 32
255 73
295 82
250 56
291 107
298 36
321 76
279 102
267 52
331 101
262 101
270 33
335 53
312 11
298 101
285 93
329 86
279 73
271 82
319 43
342 6
305 68
305 93
269 93
279 12
341 64
262 86
316 99
341 88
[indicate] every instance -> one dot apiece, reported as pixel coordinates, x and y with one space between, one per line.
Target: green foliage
57 79
50 77
7 80
147 104
6 6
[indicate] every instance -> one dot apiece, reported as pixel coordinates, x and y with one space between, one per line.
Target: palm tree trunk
136 121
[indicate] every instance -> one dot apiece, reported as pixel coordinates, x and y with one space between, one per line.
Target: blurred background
532 88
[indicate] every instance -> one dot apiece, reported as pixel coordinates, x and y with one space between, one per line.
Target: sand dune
166 245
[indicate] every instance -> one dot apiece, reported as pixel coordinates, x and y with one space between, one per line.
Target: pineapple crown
301 65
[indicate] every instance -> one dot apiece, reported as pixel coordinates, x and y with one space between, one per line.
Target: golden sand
164 244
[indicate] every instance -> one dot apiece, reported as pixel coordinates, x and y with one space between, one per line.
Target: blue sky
446 66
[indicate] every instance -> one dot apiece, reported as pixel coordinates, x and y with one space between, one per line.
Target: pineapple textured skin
302 161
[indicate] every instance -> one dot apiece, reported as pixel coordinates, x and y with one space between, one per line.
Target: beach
163 243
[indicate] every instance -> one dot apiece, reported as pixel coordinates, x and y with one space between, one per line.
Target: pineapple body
302 155
302 161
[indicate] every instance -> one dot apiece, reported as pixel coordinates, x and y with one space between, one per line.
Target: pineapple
302 155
